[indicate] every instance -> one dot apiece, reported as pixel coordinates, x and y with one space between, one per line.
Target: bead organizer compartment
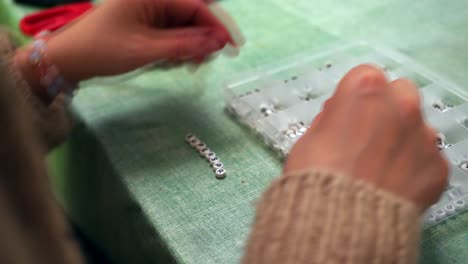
455 198
279 103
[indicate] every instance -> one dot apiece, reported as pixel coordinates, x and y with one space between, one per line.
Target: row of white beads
210 156
448 210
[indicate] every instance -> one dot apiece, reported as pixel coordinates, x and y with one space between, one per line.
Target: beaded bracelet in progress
49 74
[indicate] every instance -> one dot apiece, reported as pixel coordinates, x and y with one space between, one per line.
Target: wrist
29 74
60 54
43 75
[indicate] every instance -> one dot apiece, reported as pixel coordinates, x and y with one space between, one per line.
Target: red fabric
53 18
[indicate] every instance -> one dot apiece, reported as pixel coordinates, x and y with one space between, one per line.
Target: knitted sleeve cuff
321 217
52 121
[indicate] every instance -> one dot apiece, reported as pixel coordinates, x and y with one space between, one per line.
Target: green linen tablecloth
127 177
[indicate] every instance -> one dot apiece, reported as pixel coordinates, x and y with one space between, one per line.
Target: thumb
185 44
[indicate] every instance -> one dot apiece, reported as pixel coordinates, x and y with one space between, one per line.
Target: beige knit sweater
320 217
305 217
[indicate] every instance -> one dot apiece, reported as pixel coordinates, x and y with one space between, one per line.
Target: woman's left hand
121 35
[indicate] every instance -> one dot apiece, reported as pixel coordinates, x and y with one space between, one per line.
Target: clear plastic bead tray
280 102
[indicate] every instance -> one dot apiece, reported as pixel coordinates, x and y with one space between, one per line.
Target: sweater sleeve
51 122
319 217
32 226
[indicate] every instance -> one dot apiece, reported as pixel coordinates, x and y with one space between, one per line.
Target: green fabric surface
129 179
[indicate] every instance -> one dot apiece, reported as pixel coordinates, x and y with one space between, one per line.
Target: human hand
373 130
122 35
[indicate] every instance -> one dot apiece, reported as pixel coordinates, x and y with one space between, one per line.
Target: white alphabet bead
460 205
217 165
189 138
453 193
450 209
439 105
440 214
464 166
431 219
200 146
220 173
214 160
210 155
440 137
440 146
194 142
204 151
294 128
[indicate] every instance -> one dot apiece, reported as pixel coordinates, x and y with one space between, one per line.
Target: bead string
49 74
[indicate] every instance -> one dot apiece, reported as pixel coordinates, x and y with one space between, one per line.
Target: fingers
406 95
187 32
194 12
238 38
351 93
191 11
421 142
363 79
184 45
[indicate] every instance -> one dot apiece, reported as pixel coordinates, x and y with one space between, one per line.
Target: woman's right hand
373 130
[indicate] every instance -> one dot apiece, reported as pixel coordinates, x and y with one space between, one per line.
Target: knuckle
364 79
410 108
369 76
404 82
406 88
369 72
408 99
